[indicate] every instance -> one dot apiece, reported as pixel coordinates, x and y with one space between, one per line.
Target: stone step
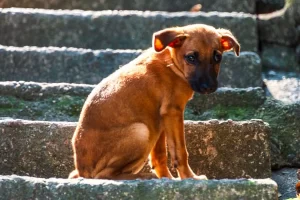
111 29
219 149
38 188
63 101
247 6
91 66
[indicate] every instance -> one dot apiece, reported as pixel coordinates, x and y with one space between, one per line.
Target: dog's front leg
174 128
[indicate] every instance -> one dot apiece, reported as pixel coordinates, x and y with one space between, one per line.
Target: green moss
10 105
71 105
8 102
232 112
61 108
284 119
221 112
251 182
190 114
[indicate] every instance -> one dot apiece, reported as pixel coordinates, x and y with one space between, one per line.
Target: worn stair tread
39 188
111 29
247 6
63 101
53 64
39 90
43 149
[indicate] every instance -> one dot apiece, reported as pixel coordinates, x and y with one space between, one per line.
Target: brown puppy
139 108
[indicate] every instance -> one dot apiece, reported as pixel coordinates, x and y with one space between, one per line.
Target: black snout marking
204 78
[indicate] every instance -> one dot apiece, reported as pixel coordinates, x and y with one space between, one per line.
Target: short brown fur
132 114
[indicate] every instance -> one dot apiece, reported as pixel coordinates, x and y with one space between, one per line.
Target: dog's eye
217 56
191 58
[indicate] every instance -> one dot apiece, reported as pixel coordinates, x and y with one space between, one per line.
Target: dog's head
196 50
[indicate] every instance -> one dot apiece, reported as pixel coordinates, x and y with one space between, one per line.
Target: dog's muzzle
203 88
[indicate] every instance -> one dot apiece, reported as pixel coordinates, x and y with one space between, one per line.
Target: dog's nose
205 89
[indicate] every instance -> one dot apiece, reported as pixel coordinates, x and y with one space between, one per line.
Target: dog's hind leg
124 152
158 158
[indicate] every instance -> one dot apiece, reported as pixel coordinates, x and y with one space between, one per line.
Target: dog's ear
228 41
172 37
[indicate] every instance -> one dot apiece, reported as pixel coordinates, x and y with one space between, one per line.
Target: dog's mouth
202 88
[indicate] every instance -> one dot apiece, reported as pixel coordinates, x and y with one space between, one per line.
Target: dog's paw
201 177
176 179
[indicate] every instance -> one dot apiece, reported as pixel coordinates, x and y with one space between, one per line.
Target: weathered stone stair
221 149
63 101
246 6
110 29
43 149
38 188
71 65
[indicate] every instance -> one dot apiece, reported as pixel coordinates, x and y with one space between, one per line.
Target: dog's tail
74 174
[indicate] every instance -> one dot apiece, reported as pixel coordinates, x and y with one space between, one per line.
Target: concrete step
38 188
63 101
91 66
247 6
110 29
219 149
